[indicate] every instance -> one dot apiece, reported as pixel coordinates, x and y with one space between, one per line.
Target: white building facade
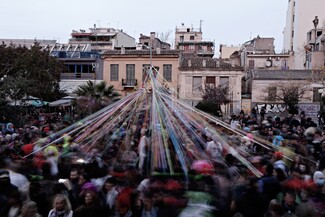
300 16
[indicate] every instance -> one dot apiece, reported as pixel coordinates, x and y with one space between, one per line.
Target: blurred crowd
56 182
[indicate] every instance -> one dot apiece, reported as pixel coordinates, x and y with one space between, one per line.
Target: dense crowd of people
55 182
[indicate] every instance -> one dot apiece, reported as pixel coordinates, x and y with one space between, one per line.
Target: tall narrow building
300 17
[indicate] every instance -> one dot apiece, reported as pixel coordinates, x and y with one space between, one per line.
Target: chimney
152 35
189 63
204 63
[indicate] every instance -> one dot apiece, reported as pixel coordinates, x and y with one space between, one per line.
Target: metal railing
129 82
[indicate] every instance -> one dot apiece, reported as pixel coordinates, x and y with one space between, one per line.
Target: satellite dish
268 63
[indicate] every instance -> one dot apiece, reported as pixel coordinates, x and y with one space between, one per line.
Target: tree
165 36
95 96
289 92
213 98
26 72
29 72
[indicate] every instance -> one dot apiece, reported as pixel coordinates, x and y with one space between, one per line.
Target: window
191 47
145 68
181 38
317 94
211 80
78 69
167 72
251 64
224 81
197 84
114 72
71 68
192 37
271 94
130 71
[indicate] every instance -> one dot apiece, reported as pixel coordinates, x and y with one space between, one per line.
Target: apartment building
315 49
127 69
153 42
190 42
102 39
299 20
196 72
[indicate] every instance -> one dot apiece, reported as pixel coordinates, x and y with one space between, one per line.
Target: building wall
317 60
260 92
187 32
186 85
271 62
300 16
226 51
124 40
122 61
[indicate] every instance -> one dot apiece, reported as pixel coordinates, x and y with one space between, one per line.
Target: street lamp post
315 21
321 91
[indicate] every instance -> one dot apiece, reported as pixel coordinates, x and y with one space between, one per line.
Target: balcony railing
78 76
129 82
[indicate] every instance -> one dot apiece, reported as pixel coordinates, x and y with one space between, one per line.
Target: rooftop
284 74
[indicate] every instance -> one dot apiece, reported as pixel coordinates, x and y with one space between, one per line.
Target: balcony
78 76
129 82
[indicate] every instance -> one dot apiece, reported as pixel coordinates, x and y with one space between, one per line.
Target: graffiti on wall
310 109
271 108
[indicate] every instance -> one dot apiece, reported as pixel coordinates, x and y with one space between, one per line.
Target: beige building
266 84
315 49
126 69
153 42
227 51
195 72
190 41
259 54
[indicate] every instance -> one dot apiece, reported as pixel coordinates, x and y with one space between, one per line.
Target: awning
28 101
61 102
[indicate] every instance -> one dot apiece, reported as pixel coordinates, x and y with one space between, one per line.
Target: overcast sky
230 22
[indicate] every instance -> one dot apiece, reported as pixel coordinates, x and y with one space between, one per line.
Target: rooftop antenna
98 21
201 21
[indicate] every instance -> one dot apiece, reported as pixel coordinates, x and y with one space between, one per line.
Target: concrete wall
226 51
124 40
186 85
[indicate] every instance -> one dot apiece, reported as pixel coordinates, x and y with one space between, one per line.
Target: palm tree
101 92
95 96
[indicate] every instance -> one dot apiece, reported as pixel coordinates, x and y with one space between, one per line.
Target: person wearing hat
279 163
5 189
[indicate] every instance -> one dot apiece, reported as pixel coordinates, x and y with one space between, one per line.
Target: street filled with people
55 181
150 154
